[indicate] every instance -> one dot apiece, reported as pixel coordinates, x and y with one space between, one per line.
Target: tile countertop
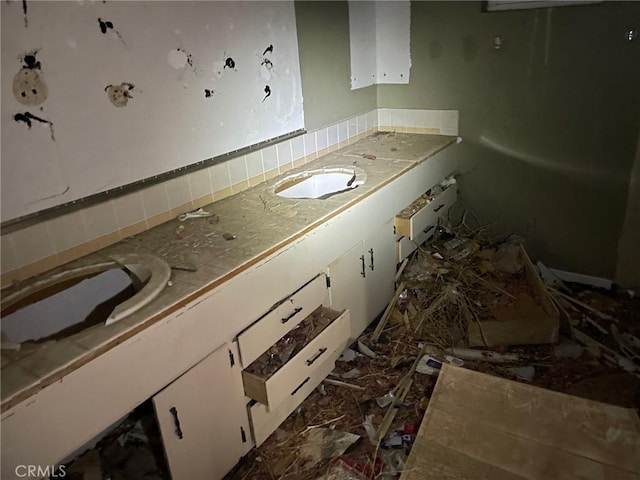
262 223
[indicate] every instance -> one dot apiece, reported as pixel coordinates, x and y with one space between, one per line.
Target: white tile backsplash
254 164
8 258
310 146
237 170
384 117
33 243
178 191
321 139
332 135
343 131
449 122
284 155
219 175
99 219
155 200
67 231
371 119
129 209
269 158
297 147
199 184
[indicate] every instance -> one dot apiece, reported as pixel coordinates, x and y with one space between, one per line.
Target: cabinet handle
364 271
438 208
295 312
371 252
300 386
176 421
316 356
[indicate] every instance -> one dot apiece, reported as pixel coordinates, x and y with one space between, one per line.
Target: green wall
549 121
323 41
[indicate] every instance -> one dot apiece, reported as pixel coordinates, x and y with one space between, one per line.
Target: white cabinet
203 420
361 280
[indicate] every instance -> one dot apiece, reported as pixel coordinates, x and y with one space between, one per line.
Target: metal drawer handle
316 356
300 386
176 421
371 252
295 312
364 271
439 207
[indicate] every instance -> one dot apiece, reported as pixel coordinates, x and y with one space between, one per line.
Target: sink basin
320 183
68 302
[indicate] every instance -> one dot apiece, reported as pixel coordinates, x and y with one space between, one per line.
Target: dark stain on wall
24 12
30 60
28 117
229 63
29 87
269 49
209 93
106 25
267 63
267 90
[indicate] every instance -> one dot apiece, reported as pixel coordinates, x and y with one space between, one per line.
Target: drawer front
257 338
405 246
426 216
265 420
296 373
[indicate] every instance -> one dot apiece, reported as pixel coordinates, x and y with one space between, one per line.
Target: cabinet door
362 278
381 268
203 420
348 287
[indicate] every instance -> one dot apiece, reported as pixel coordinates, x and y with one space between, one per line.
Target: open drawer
265 420
283 317
427 215
319 338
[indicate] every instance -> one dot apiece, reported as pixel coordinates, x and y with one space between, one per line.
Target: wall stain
106 25
209 93
29 87
267 90
230 63
268 64
27 117
269 49
24 12
119 95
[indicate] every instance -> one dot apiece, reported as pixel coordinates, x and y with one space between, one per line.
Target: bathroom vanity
193 349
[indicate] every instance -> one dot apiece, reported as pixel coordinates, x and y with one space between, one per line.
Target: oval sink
320 183
71 301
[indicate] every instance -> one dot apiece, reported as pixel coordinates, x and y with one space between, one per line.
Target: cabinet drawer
265 420
427 215
271 385
405 246
287 314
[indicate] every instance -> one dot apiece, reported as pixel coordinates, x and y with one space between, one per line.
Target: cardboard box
481 427
525 321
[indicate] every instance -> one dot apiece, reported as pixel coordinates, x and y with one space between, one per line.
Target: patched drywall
549 118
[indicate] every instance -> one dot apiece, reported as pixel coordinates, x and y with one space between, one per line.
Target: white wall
171 52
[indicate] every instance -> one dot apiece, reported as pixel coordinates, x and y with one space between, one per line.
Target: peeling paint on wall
119 95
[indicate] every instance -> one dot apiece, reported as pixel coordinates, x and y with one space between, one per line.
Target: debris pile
466 301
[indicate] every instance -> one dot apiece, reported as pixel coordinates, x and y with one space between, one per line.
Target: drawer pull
300 386
176 421
316 356
428 229
371 252
439 207
295 312
364 271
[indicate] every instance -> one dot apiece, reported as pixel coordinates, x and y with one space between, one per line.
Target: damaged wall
550 119
323 41
137 89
